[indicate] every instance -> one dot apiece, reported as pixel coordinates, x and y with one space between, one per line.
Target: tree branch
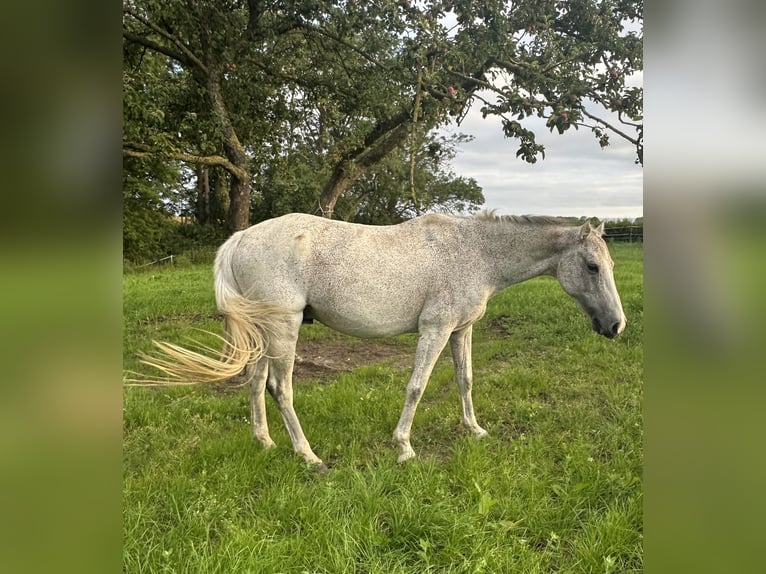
609 126
183 54
476 81
369 57
255 28
383 146
130 149
510 64
155 46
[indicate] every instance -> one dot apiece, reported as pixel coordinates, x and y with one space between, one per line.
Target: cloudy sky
576 178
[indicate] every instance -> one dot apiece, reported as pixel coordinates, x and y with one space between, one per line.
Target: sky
576 178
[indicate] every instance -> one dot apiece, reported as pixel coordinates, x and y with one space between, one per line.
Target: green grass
556 487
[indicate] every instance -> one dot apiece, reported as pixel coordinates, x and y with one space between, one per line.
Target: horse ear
600 229
585 230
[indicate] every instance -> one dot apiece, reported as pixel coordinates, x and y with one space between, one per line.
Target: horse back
360 279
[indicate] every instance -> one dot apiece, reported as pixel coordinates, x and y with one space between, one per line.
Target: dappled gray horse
432 275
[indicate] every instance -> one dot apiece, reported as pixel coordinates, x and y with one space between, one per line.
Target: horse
432 275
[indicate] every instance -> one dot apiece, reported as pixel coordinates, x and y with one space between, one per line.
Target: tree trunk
379 143
238 216
343 177
239 206
219 198
202 206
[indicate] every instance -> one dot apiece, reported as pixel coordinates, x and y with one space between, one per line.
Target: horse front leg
430 345
460 341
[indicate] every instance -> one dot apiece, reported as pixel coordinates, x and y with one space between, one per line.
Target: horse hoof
266 443
480 434
405 456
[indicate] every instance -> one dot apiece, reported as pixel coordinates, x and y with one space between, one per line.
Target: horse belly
366 316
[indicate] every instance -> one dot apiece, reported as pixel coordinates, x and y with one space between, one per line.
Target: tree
145 218
384 195
542 58
194 37
356 81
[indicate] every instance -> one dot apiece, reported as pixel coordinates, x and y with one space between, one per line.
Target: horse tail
247 325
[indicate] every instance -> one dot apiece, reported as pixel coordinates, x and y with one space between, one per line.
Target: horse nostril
615 328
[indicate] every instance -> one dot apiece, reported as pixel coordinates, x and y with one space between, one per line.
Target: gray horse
432 275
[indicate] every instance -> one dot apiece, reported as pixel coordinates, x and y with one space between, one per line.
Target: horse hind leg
257 375
280 387
279 383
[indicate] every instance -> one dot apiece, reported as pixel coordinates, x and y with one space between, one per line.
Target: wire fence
629 233
168 258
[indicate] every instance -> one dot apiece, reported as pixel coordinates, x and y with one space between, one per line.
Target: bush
187 242
194 239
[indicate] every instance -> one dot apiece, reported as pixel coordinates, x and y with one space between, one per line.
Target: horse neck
520 251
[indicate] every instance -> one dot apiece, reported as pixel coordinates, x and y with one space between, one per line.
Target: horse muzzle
609 329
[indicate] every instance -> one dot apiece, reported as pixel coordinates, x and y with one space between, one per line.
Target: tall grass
556 487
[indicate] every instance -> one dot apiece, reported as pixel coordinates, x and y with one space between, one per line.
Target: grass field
556 487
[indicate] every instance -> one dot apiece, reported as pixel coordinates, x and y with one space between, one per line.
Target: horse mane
489 215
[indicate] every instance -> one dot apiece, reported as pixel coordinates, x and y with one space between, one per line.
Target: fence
168 258
629 233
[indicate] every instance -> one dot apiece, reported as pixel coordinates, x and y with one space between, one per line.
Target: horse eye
592 267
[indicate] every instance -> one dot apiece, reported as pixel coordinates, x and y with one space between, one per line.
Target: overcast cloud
576 178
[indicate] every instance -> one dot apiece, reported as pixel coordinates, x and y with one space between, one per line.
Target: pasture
556 487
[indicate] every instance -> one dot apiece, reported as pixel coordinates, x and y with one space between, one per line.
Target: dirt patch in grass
505 326
324 360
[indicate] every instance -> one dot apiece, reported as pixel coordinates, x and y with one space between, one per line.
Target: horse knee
414 392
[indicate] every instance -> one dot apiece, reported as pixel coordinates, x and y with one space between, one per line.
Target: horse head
585 272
